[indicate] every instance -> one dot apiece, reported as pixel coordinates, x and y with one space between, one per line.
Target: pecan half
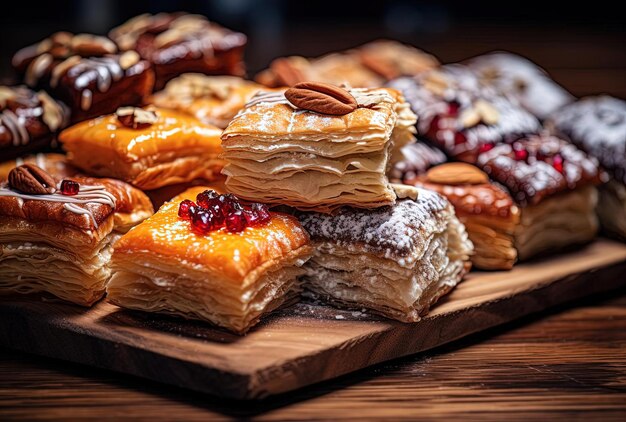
30 179
286 73
135 117
92 45
456 174
321 98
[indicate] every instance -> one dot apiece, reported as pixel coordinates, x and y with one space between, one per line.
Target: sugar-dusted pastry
416 159
553 183
56 235
366 66
210 257
330 149
460 115
177 43
521 79
149 147
86 72
598 126
29 121
487 211
211 99
396 261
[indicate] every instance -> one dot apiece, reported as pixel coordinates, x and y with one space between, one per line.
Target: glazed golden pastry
228 279
487 211
396 261
279 154
165 147
211 99
60 242
55 164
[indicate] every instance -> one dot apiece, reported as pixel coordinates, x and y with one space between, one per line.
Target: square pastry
215 259
416 159
554 184
177 43
396 260
147 147
598 126
522 80
86 72
211 99
307 158
487 211
460 115
56 235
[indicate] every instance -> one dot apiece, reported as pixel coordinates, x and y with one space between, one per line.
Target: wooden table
568 362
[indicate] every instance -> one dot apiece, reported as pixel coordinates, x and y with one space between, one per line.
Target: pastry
177 43
487 211
396 261
553 183
522 80
211 99
54 164
86 72
29 121
366 66
56 235
459 115
314 158
416 159
149 147
214 259
598 126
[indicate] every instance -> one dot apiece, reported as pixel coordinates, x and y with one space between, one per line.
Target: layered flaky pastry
396 261
175 148
228 279
279 154
487 211
211 99
62 245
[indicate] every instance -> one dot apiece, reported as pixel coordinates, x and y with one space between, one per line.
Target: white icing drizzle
37 68
267 97
94 194
15 125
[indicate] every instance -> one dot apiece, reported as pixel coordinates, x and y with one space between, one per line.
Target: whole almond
135 117
321 98
286 73
30 179
456 174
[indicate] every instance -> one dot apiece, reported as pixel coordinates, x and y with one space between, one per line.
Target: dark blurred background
582 46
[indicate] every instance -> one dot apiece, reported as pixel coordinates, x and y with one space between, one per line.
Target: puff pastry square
211 99
396 261
62 245
228 279
177 148
277 154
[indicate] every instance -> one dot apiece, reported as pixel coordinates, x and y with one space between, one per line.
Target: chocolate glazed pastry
598 126
460 115
86 72
29 121
553 182
177 43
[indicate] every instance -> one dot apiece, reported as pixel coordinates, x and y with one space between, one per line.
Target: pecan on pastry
598 126
487 211
396 260
60 243
164 147
231 279
460 115
522 80
177 43
278 154
29 121
54 164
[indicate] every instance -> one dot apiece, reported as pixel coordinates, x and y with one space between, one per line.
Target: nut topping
480 111
321 98
456 174
128 59
405 191
6 94
92 45
286 72
135 117
30 179
53 115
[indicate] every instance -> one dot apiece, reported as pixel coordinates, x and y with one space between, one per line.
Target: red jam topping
212 211
557 163
69 187
486 147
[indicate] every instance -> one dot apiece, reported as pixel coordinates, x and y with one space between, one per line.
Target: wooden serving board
304 344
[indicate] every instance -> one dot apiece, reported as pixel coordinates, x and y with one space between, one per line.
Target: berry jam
486 147
557 163
213 211
69 187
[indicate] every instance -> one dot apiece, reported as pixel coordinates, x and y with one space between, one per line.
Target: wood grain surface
305 344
